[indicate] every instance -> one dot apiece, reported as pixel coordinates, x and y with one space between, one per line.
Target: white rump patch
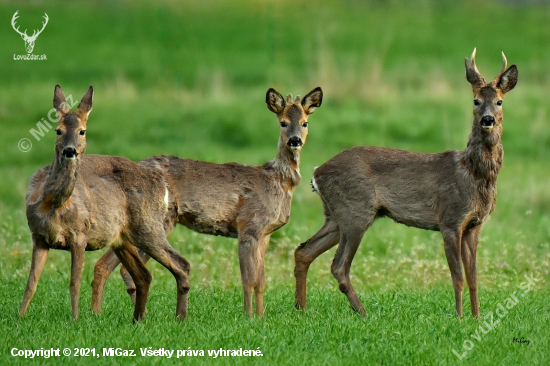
166 196
314 185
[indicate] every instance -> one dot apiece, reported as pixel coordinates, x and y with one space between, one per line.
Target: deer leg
158 248
349 242
102 270
259 286
469 248
39 255
452 241
77 262
141 276
327 237
127 278
249 257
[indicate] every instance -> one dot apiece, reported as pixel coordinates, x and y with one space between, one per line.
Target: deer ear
508 79
275 101
312 100
85 106
59 102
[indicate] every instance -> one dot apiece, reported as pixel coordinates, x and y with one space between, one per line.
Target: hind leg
327 237
350 238
127 278
158 248
141 276
39 255
102 270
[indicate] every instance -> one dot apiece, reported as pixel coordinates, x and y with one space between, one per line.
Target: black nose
294 141
488 121
69 153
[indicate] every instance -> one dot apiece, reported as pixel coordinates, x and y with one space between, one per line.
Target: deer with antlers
452 192
233 200
87 202
29 40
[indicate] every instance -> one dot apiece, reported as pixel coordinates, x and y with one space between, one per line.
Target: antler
35 35
473 60
504 63
15 16
472 73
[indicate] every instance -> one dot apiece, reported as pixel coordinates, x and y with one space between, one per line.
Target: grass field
189 79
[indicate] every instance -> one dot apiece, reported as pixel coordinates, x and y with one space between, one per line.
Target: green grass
404 326
190 78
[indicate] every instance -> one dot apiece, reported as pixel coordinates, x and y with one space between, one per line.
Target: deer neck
287 166
483 155
61 180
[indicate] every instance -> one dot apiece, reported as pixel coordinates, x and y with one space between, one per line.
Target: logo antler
15 16
34 36
29 41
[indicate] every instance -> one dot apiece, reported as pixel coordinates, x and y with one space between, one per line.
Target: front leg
452 241
259 287
77 262
469 248
39 255
249 259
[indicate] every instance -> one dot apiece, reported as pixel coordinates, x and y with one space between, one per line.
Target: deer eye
499 103
82 132
284 124
58 132
477 102
304 125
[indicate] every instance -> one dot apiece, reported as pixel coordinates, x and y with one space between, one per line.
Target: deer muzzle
488 122
295 143
70 153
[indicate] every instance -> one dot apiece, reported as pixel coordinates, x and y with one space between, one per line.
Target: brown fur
452 192
87 202
234 200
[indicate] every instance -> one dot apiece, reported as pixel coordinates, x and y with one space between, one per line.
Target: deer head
29 41
293 115
71 127
488 97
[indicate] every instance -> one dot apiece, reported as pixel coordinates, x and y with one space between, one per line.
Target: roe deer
234 200
86 202
452 192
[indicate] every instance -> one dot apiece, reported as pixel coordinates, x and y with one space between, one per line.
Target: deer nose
487 121
294 142
69 153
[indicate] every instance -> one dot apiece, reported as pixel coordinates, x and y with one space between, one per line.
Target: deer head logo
29 41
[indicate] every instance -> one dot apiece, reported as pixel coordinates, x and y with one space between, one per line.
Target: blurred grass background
189 79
